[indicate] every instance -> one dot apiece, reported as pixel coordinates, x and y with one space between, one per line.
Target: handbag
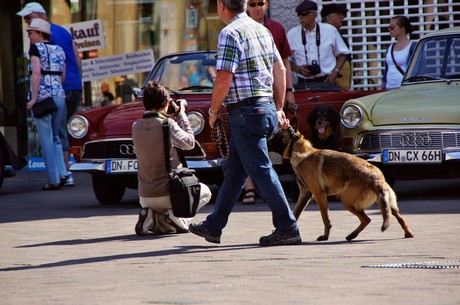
184 186
46 106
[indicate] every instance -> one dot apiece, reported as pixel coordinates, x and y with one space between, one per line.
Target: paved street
63 247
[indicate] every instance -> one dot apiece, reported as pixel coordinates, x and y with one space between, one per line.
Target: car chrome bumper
100 166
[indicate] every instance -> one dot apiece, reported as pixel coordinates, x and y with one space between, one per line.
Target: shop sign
88 35
110 66
35 164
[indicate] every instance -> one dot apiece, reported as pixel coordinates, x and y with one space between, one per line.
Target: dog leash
219 137
294 138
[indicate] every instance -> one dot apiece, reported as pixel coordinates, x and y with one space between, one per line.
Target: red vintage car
101 138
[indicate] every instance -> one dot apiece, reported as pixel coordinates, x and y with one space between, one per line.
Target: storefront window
164 26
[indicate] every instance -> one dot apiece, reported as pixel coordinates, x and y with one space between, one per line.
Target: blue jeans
51 148
250 127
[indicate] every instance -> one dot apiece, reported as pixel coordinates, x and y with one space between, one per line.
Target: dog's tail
386 200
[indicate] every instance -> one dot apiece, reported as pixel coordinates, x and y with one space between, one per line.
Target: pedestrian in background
72 82
47 67
318 50
334 14
107 96
251 83
398 53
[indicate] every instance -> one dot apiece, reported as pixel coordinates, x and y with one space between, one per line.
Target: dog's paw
408 235
351 236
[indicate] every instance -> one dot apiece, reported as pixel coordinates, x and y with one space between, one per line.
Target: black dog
323 122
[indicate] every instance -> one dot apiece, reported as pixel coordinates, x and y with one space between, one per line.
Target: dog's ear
312 118
334 117
293 123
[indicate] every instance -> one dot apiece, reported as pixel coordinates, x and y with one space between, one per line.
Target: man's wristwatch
336 70
290 89
212 113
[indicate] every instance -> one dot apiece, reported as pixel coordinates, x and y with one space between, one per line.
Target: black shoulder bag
46 106
184 186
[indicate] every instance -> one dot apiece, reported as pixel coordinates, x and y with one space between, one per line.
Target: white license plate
412 156
121 166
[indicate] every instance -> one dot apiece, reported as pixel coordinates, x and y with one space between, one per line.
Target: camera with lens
178 102
314 68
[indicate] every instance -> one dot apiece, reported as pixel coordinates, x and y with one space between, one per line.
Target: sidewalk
64 248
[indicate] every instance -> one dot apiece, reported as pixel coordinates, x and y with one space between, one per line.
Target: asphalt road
62 247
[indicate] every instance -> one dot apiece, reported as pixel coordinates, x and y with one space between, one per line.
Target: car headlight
197 122
352 116
77 126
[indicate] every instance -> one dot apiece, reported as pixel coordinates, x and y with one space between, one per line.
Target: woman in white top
398 54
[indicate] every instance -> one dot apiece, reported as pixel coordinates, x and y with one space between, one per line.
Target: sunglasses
391 27
254 4
28 17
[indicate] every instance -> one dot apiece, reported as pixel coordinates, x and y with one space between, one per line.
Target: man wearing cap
334 14
318 50
72 83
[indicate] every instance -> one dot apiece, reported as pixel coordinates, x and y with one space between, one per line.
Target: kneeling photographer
318 51
156 216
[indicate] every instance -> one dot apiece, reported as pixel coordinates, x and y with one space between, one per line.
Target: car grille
124 149
109 150
427 139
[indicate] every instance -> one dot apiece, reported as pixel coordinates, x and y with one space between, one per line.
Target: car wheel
107 191
2 167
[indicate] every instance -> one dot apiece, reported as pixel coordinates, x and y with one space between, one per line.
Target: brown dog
320 173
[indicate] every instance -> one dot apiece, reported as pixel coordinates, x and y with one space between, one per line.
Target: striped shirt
246 49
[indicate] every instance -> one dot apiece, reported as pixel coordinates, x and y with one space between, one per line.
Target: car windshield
191 72
436 59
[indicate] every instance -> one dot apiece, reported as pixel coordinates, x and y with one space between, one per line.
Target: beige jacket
147 136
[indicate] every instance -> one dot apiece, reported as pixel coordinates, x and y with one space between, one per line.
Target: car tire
107 190
2 167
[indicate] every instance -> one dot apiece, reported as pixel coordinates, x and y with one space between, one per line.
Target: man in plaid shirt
251 83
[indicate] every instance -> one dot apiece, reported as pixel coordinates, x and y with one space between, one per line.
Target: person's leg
63 137
45 133
260 122
56 122
234 177
72 102
205 196
249 196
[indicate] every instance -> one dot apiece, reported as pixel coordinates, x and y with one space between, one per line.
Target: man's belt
249 101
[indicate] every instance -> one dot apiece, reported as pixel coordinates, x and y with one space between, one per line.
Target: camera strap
318 42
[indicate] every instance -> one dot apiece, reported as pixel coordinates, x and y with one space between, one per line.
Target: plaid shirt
246 49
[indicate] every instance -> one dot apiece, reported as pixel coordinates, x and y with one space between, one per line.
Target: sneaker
145 222
279 238
162 224
202 230
180 224
69 180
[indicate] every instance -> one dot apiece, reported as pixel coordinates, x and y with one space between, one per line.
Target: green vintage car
412 132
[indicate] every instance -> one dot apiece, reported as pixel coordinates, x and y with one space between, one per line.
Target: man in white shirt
318 50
